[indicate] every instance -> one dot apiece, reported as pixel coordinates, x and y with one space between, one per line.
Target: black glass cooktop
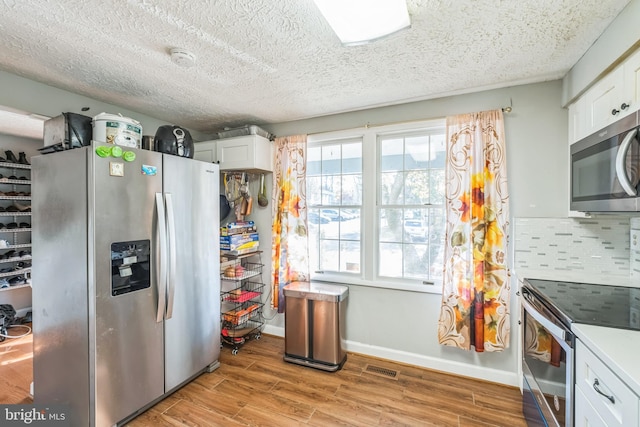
601 305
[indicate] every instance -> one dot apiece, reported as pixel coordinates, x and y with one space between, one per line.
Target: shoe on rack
22 225
22 208
17 280
22 158
10 254
11 157
4 283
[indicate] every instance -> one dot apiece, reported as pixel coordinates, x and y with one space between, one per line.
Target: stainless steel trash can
314 324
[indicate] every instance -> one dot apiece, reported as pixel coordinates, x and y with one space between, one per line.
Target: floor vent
382 372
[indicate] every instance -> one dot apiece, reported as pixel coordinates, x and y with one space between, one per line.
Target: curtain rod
505 110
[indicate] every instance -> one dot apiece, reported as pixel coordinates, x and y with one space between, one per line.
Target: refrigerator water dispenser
130 267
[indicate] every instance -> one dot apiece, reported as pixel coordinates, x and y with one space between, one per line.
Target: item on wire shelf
238 227
240 242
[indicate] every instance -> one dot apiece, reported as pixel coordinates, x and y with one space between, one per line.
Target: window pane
314 190
350 257
352 189
391 151
390 225
331 189
349 226
416 261
391 188
436 187
438 151
437 224
329 258
336 232
416 191
352 158
390 260
415 225
331 163
416 153
313 161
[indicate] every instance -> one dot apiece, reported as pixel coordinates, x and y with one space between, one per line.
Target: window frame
369 232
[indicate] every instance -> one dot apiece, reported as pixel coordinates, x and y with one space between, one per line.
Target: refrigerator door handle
171 227
161 270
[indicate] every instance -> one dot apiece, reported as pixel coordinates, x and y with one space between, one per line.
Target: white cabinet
586 415
614 96
632 81
245 153
577 120
604 101
599 392
205 151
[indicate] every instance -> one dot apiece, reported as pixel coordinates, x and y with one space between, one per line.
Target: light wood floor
257 388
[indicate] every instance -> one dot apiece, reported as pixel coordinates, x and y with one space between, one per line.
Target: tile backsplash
584 245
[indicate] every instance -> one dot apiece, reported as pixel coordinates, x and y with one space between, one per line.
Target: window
410 205
334 198
376 205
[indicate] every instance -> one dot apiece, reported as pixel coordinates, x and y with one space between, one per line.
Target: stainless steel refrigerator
126 282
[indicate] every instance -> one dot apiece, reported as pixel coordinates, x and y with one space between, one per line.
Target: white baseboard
437 364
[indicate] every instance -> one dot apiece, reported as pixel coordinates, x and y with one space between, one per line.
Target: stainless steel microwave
605 169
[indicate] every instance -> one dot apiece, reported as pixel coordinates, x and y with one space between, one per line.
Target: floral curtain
290 260
475 298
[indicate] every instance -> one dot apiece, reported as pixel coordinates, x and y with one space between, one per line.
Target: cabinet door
246 153
585 414
205 151
632 82
602 99
577 120
609 396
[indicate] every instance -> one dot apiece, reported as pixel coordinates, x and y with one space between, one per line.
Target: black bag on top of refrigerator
173 140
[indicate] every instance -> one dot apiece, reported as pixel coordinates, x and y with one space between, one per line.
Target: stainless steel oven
547 364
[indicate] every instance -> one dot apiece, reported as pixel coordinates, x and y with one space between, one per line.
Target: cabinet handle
624 106
614 111
596 383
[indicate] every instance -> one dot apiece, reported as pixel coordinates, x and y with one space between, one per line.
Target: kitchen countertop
617 348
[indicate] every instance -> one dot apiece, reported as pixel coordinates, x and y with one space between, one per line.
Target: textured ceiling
270 61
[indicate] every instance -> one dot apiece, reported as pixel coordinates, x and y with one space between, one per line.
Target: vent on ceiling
381 372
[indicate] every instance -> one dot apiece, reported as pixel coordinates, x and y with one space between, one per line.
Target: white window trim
368 275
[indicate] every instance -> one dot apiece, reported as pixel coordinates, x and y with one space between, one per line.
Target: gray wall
33 97
403 324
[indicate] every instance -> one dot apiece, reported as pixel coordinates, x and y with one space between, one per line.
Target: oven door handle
556 331
621 170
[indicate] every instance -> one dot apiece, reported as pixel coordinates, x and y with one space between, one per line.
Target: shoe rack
15 221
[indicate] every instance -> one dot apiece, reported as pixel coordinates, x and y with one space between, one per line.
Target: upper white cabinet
606 102
577 119
242 153
205 151
632 80
614 96
245 153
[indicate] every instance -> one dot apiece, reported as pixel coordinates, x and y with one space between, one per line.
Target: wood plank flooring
257 388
